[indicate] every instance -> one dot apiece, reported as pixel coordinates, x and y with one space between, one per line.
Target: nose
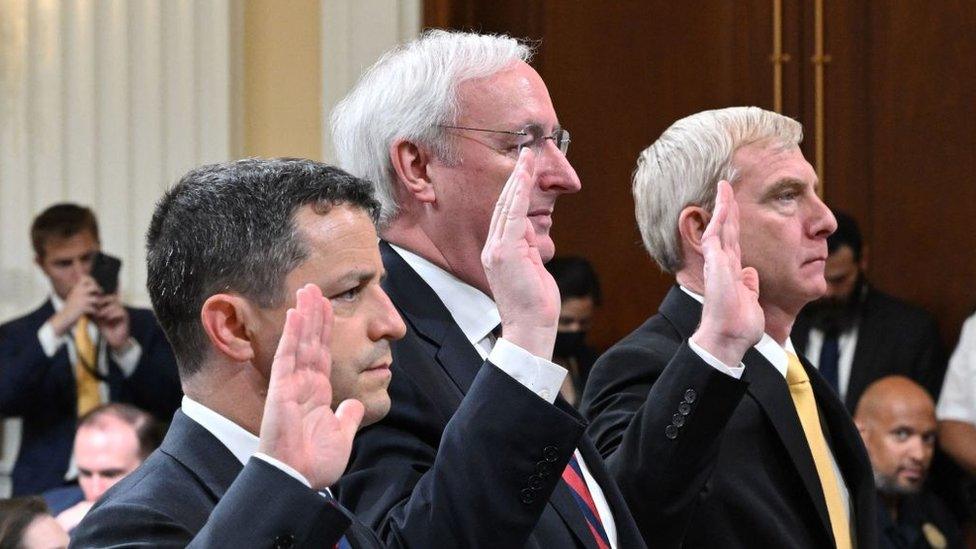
99 485
387 322
553 172
823 223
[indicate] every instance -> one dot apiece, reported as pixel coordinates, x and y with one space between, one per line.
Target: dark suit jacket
893 337
751 480
192 491
43 393
467 457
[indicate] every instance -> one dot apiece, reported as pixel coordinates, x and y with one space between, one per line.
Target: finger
350 414
305 354
521 171
325 337
750 279
516 216
284 359
719 212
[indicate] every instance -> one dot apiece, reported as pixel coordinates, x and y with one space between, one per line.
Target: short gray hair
683 167
408 94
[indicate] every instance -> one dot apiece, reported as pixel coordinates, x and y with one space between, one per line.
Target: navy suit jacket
742 475
193 492
467 456
42 391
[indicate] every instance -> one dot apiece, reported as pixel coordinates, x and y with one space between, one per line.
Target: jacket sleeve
24 369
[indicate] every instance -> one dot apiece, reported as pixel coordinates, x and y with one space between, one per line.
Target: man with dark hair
112 440
81 348
579 293
856 334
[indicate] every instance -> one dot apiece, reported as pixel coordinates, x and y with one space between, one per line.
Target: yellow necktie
806 408
88 393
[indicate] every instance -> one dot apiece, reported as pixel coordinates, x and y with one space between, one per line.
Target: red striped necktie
573 476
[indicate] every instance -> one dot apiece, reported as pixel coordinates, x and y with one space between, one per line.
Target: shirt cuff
538 375
288 469
128 359
50 343
734 371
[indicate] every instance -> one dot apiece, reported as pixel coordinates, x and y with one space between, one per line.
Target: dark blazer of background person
461 433
194 489
42 391
893 338
761 488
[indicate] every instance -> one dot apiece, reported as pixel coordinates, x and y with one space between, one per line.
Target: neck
779 322
233 391
413 236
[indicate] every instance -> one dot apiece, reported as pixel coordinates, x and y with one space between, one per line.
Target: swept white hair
683 168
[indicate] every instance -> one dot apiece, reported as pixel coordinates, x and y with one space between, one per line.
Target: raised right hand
525 292
732 320
299 427
83 299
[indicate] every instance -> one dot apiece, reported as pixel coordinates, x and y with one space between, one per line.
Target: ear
861 428
224 320
411 163
691 225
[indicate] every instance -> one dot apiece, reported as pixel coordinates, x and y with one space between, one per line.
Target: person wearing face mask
579 291
857 334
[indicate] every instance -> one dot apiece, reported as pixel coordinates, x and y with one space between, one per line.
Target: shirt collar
473 311
238 440
767 346
56 302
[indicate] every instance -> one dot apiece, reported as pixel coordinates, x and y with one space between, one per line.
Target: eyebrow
783 184
356 275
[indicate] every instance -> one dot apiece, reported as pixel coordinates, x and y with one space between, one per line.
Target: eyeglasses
532 136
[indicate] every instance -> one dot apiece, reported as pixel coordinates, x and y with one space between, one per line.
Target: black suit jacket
42 391
467 457
893 337
746 480
192 491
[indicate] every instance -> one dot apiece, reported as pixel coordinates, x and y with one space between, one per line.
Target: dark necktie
573 476
829 359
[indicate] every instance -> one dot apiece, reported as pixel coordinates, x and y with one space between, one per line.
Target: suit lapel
198 450
424 311
768 388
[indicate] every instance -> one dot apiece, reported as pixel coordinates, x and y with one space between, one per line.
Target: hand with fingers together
299 427
526 294
732 320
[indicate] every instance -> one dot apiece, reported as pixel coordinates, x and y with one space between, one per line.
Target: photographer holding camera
80 349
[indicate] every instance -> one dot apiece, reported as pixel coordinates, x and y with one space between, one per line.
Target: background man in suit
47 381
228 248
856 334
439 125
783 465
112 440
896 417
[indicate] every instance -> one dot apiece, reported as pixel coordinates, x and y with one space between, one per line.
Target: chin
376 409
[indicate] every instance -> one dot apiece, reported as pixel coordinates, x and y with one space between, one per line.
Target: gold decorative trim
819 60
778 58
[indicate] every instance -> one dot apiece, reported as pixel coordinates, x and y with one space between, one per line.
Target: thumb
350 414
750 278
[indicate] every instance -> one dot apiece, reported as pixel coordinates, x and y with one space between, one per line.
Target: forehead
915 413
340 240
763 164
79 243
109 437
513 97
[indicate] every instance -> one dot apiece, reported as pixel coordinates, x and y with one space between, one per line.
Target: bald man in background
896 418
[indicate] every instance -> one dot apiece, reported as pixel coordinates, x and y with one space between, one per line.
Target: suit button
535 482
678 420
684 408
671 432
543 469
551 453
284 541
527 496
690 396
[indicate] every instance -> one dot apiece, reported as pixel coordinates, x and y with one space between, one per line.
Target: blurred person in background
579 292
896 418
81 348
26 524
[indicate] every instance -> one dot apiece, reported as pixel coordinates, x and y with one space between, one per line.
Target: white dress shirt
241 442
846 343
958 399
477 315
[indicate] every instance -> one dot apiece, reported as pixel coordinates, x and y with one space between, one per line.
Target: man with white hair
439 125
787 468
